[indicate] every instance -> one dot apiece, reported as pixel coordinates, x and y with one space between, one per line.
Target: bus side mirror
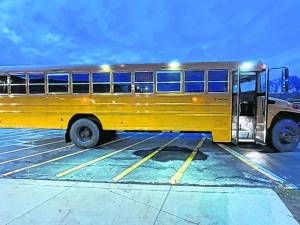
285 80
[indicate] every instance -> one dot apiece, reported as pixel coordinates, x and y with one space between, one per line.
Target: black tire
85 133
285 135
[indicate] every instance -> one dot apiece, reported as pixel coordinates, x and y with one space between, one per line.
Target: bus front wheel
85 133
285 135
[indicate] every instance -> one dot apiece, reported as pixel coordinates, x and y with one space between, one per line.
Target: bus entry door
262 106
244 105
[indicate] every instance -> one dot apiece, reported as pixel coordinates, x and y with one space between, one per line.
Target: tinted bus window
81 83
36 83
218 81
168 81
143 77
194 81
18 84
3 79
101 82
18 89
80 78
58 83
18 79
3 84
122 82
143 82
36 78
101 77
168 76
122 77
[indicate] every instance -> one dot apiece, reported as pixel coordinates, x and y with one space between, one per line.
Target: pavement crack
162 205
35 207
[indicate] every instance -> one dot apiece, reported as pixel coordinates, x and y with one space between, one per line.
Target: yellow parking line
134 166
58 158
176 178
100 158
22 149
35 154
259 168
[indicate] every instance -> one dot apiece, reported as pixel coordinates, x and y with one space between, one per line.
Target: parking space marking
35 154
59 158
101 158
27 133
22 149
20 139
176 178
134 166
259 168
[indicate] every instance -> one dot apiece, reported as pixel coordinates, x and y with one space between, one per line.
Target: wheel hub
288 135
85 134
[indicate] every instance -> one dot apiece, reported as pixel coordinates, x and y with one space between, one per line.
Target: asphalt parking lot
175 160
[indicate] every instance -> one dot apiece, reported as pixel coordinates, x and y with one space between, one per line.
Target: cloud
65 32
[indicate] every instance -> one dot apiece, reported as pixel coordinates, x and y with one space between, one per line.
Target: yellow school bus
228 99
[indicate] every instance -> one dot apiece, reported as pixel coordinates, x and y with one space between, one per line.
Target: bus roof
231 65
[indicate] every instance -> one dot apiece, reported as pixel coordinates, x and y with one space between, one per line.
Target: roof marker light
247 66
174 65
105 67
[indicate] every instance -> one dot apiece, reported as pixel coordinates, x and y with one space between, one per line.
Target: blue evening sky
58 32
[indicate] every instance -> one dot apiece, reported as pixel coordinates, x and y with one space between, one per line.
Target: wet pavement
169 160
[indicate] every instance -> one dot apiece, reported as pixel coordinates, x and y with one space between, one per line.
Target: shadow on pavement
171 153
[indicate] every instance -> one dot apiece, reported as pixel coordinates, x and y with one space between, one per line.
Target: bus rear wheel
285 135
85 133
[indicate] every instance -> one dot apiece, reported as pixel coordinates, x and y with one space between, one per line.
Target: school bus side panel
202 112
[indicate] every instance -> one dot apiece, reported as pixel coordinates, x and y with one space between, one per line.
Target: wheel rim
288 135
85 134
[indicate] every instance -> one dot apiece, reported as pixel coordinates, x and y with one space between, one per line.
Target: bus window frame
153 81
71 81
170 82
205 85
113 83
7 85
58 73
36 84
228 81
109 83
26 84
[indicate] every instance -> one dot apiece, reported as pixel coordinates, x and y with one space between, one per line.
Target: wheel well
81 116
282 115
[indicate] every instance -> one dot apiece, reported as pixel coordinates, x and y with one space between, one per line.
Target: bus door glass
235 107
243 106
262 106
272 82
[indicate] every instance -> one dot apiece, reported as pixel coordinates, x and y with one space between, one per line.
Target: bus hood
283 104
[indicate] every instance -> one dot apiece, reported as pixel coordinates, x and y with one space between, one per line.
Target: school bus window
101 82
3 84
36 83
122 82
80 83
218 81
18 84
58 83
168 81
194 81
143 82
